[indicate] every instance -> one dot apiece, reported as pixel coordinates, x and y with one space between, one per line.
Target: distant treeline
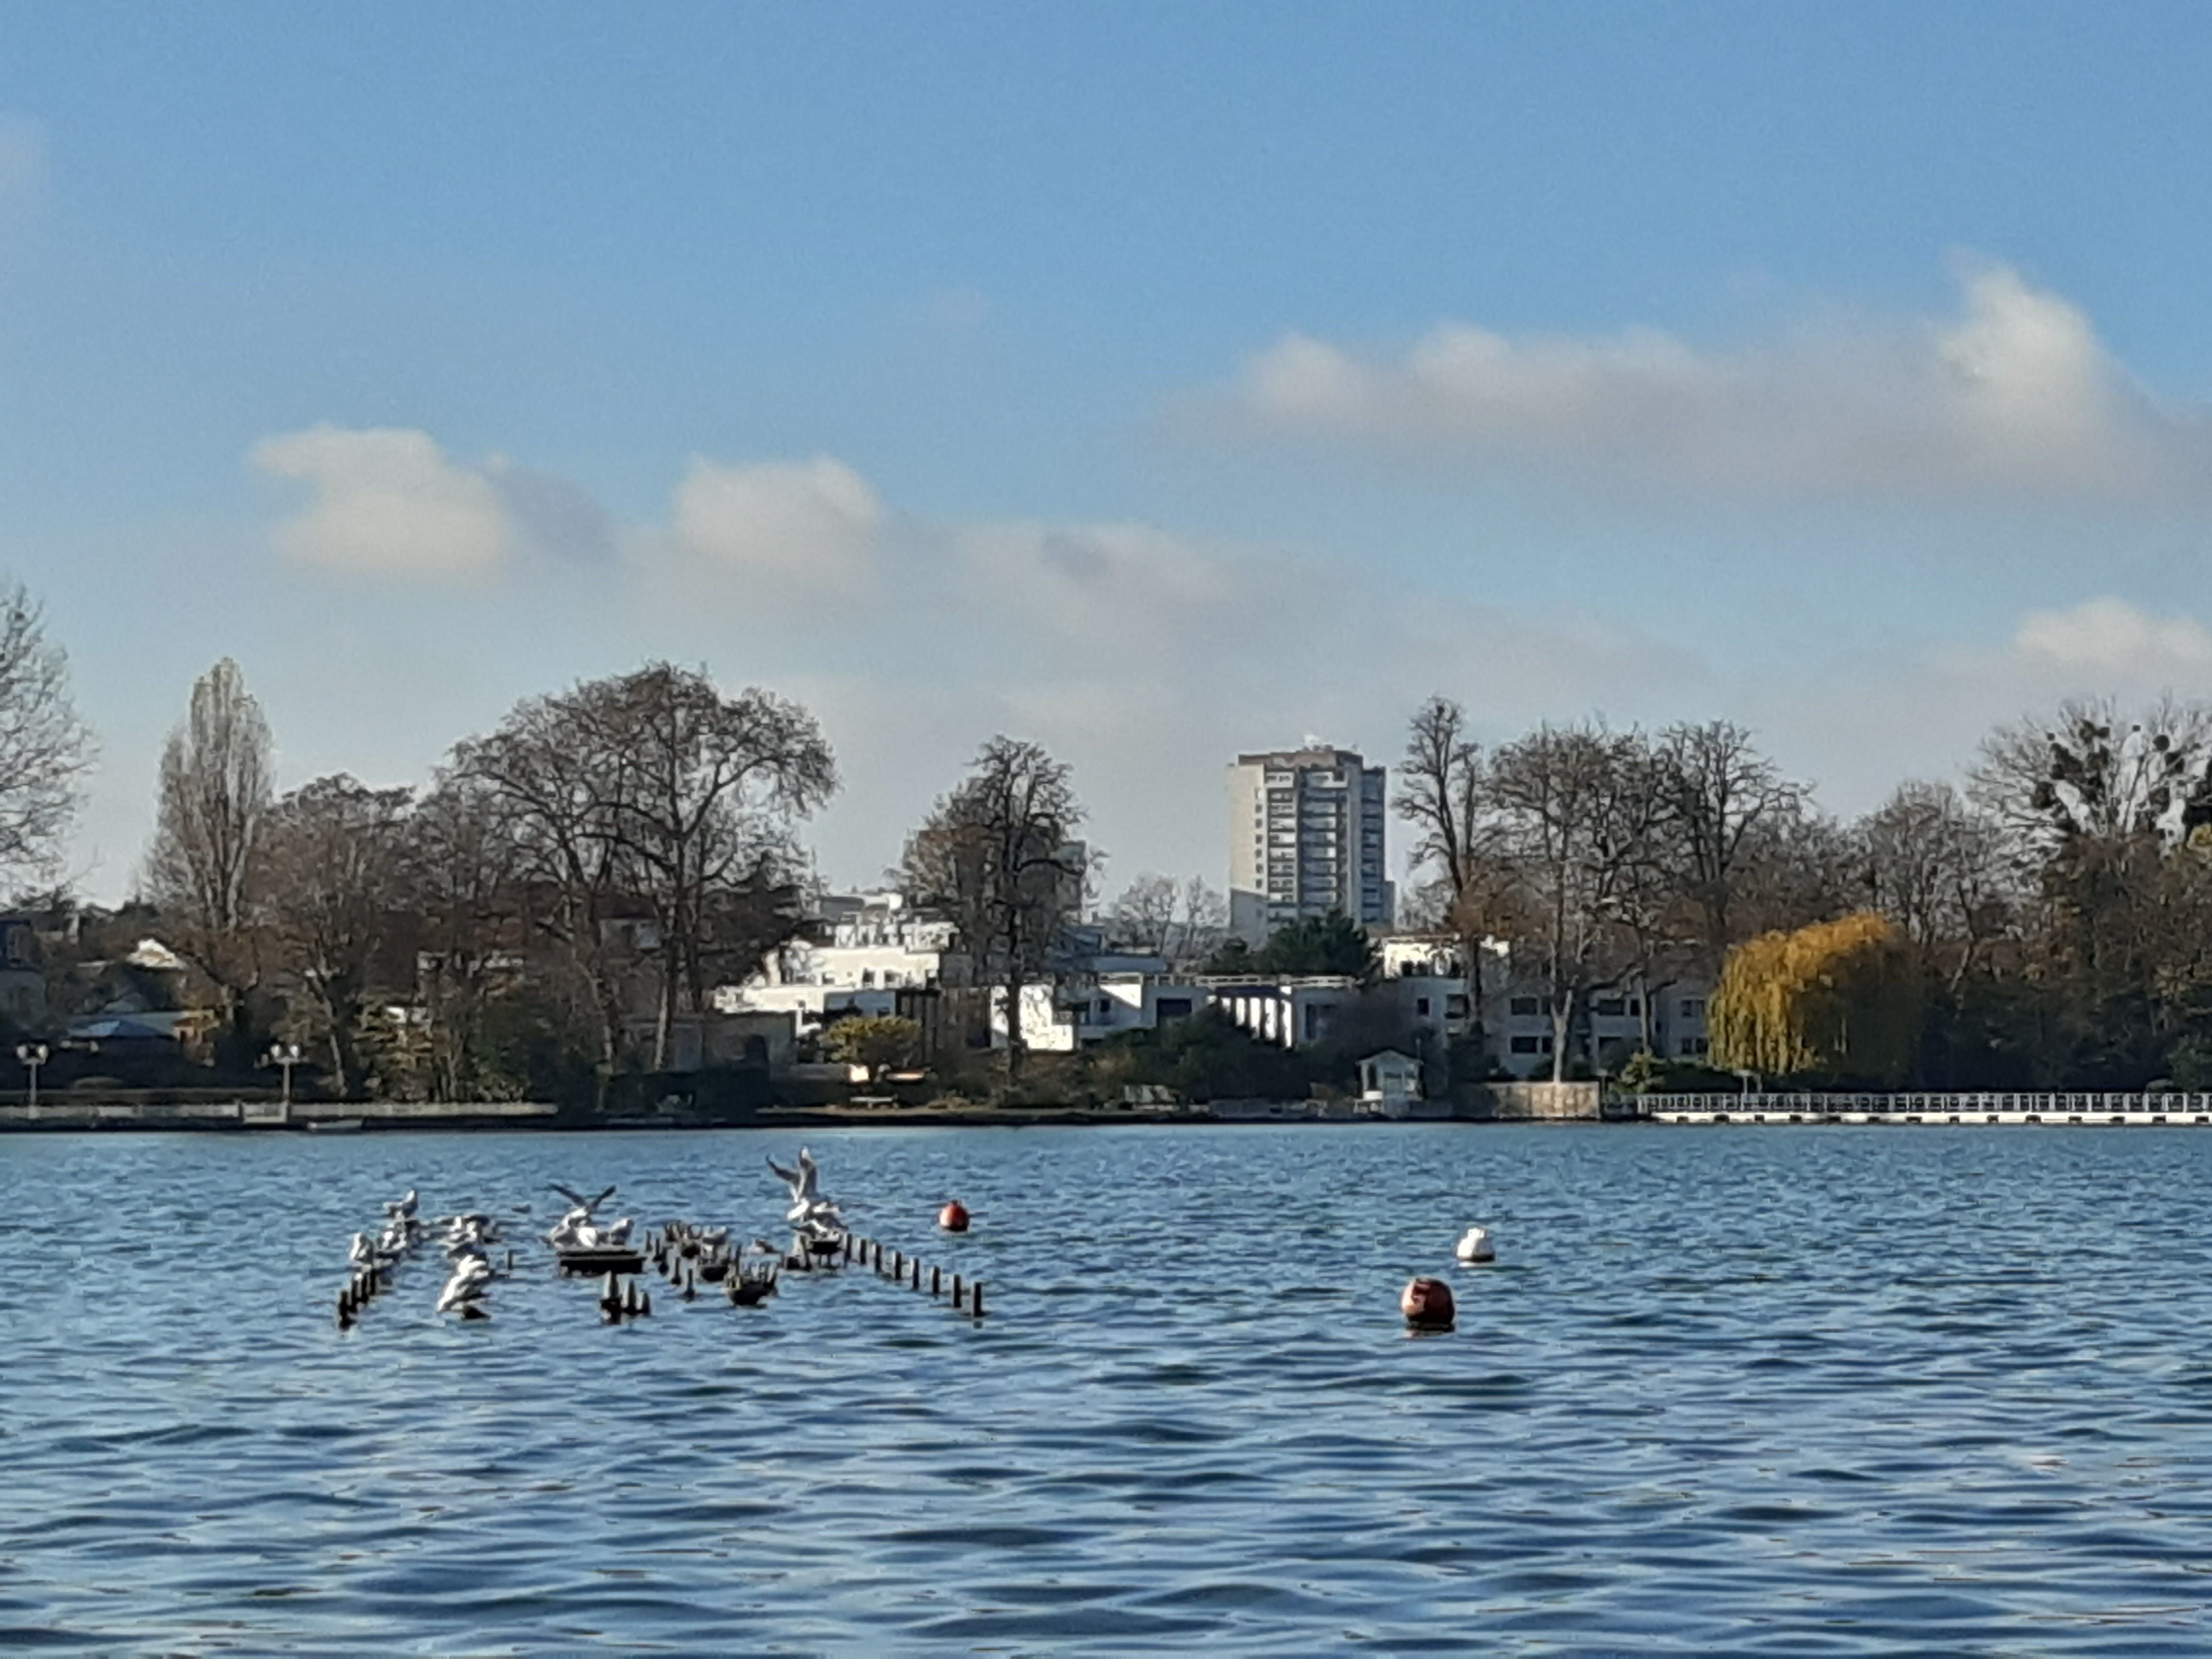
2048 925
576 882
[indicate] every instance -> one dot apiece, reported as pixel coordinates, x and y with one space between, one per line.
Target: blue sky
1155 381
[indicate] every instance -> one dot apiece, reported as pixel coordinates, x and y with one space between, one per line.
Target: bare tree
44 749
2107 822
213 807
1158 916
1204 924
1580 808
331 864
1144 917
998 857
1795 869
1723 792
559 803
2092 774
463 878
1443 791
706 829
1936 866
653 790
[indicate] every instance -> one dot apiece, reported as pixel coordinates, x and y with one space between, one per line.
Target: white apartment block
863 950
1305 838
1614 1018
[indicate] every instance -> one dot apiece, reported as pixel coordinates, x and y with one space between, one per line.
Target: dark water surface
1809 1391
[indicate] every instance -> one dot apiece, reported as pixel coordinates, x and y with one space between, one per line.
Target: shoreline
477 1117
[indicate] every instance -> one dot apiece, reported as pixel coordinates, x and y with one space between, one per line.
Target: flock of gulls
688 1256
685 1253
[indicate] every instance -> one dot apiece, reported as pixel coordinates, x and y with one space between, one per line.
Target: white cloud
1145 658
387 503
2110 637
804 527
1861 722
2016 395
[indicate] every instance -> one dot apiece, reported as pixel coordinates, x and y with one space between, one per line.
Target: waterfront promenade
2002 1107
188 1113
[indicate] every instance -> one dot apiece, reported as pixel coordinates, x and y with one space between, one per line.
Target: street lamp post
33 1055
286 1056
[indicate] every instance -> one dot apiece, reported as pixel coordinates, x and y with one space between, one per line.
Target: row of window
1614 1007
1165 1010
1690 1046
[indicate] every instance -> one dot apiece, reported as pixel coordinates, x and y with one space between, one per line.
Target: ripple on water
1708 1427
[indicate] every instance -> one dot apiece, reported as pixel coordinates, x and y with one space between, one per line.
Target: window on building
1528 1005
1635 1008
1171 1008
1524 1045
1421 1007
1610 1007
1455 1006
1693 1007
1696 1046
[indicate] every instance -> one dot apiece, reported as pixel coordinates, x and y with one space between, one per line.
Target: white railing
2061 1104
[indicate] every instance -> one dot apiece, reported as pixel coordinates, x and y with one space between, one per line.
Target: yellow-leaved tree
1839 999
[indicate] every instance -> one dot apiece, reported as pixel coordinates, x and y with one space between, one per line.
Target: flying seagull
587 1205
804 1182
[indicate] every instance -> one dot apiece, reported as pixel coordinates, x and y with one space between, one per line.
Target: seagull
810 1212
470 1277
804 1182
587 1205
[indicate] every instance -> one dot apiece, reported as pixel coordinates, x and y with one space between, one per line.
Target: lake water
1809 1391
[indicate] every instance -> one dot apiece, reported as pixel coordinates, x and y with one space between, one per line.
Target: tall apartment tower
1305 838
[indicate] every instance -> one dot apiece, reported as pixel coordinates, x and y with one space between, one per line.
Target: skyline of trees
2055 904
2057 913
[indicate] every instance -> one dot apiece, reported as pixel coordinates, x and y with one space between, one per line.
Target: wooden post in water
975 1298
936 1280
955 1290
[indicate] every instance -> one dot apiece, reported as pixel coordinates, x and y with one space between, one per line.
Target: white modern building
1614 1018
1305 838
1612 1021
860 953
1290 1010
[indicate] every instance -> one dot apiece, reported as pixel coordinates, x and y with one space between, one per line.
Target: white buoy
1475 1247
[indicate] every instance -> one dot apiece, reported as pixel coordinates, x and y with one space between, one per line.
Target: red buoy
1427 1305
953 1217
